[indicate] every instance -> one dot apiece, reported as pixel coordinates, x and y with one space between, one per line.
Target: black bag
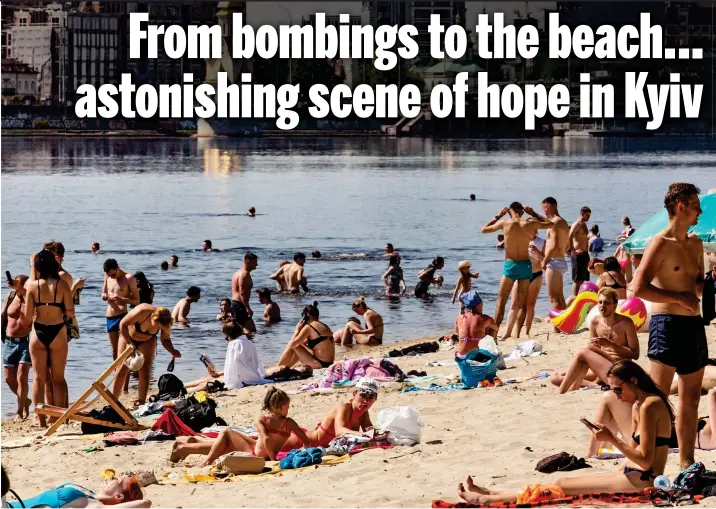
696 480
170 387
215 386
106 414
562 462
200 416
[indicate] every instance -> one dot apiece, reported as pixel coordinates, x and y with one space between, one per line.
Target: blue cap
470 299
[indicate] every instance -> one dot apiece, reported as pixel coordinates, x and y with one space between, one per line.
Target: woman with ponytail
372 334
645 450
311 343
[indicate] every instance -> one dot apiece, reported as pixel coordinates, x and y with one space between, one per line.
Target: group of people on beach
40 323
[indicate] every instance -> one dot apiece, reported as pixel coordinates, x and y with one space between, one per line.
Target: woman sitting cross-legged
613 337
645 451
311 344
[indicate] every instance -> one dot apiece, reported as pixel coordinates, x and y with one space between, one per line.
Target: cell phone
10 280
589 424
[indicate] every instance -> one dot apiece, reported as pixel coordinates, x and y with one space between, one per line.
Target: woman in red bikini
284 436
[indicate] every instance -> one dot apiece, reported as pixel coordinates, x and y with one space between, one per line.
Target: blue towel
299 458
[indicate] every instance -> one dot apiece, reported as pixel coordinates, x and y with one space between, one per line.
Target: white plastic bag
487 343
404 425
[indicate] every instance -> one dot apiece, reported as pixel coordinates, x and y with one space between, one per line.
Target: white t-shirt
242 365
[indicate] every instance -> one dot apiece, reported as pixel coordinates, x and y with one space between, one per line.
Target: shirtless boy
272 313
120 289
579 246
517 267
671 276
180 313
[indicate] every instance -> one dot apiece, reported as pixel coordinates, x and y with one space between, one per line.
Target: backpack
170 387
561 462
696 479
201 415
106 414
146 289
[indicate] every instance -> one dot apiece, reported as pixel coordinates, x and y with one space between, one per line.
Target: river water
144 200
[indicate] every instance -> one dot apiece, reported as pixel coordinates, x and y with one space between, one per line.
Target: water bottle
662 483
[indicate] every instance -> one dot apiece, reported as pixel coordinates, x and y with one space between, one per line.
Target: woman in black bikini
49 301
652 416
140 327
311 344
612 277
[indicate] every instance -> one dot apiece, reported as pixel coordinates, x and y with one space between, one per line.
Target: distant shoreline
44 133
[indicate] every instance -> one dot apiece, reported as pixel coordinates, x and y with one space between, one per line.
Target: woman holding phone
311 344
646 450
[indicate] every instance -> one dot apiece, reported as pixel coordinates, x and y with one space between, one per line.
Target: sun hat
366 384
463 264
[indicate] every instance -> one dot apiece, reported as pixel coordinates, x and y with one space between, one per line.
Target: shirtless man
517 267
242 284
291 274
579 246
671 276
174 261
95 247
471 326
371 335
16 347
119 289
348 418
612 338
180 313
554 263
272 313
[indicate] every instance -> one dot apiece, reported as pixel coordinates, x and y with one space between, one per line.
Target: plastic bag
404 425
487 343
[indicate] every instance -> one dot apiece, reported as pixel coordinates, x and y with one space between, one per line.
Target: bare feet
18 417
177 452
39 421
475 495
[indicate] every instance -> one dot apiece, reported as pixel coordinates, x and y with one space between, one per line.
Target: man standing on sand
16 347
579 246
671 276
120 289
554 263
517 267
242 284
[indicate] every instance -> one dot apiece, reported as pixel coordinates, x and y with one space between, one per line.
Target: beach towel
173 425
299 458
352 369
121 438
594 500
454 387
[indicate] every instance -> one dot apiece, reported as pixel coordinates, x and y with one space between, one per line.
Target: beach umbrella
705 229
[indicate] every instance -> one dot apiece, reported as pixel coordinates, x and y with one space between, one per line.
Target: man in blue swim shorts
517 267
16 346
671 276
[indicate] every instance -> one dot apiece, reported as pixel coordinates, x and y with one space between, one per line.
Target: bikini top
139 329
660 441
312 343
282 432
39 302
615 285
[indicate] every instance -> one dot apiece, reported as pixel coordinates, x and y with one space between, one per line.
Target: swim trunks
113 322
557 265
16 351
678 341
517 270
535 275
580 267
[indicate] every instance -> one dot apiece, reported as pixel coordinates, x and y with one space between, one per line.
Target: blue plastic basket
473 372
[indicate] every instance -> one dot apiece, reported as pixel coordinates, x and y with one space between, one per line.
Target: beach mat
594 500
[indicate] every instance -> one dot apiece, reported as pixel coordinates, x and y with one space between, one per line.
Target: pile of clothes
381 370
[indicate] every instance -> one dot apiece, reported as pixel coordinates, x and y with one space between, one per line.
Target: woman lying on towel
616 416
349 417
124 491
645 451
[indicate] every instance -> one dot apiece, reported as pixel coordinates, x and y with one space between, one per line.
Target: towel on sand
299 458
593 500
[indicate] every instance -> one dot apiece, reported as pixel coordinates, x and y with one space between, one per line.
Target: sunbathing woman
351 417
613 337
472 326
311 344
48 302
119 492
612 277
645 451
371 335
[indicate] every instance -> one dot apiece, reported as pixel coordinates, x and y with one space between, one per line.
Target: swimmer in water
472 197
252 212
272 313
181 310
291 275
207 247
164 265
174 259
316 255
95 247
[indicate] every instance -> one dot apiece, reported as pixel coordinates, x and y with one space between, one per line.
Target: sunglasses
618 389
367 395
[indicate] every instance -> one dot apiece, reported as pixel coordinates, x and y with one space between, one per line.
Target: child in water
464 281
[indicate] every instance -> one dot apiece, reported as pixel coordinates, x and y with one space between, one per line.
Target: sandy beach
497 435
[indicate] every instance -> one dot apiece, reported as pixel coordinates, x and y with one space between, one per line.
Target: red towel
168 422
